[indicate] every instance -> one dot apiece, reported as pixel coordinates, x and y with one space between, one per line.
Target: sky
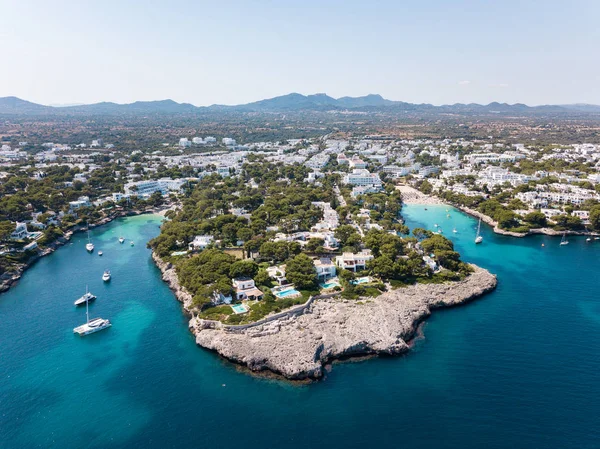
234 52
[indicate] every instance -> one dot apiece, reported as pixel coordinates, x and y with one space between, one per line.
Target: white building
144 189
201 242
325 268
246 289
184 142
20 232
362 177
82 201
354 261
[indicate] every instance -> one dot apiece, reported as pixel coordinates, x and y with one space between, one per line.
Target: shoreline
12 278
303 346
410 195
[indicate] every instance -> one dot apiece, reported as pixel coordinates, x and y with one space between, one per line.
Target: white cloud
499 86
464 83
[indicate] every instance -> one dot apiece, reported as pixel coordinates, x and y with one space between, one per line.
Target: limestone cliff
299 346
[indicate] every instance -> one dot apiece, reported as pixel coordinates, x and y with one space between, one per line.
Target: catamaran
564 240
85 298
106 276
479 238
91 326
89 245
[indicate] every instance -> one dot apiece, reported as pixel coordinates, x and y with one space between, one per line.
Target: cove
519 367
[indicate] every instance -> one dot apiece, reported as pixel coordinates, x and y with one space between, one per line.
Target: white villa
246 289
20 232
325 268
201 242
354 261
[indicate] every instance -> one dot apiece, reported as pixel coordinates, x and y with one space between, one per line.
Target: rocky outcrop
299 347
169 275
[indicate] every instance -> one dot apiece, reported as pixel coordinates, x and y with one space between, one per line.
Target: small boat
100 253
454 231
564 240
91 326
596 238
589 239
89 246
425 208
131 243
447 215
479 238
85 298
121 239
106 276
435 225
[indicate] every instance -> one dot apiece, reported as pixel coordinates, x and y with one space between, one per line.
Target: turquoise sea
519 368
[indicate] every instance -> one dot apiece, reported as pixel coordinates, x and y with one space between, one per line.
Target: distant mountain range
295 102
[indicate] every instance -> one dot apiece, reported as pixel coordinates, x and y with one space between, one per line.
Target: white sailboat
85 298
121 239
564 240
479 238
91 326
454 231
89 245
106 276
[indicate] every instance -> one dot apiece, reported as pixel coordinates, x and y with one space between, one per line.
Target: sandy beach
410 195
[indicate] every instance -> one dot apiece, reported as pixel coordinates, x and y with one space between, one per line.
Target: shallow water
519 367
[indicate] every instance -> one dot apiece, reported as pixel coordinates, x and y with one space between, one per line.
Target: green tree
343 233
243 268
595 218
301 272
536 219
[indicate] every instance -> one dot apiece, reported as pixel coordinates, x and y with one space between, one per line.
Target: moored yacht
89 246
131 243
479 238
100 253
91 326
121 239
87 297
564 240
106 276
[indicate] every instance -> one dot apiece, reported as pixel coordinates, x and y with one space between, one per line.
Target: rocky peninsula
299 344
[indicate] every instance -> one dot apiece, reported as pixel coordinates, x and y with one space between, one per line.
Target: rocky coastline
299 346
9 279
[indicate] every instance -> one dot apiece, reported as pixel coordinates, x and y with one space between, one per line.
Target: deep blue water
517 368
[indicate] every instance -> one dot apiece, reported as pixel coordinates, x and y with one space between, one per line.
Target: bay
517 368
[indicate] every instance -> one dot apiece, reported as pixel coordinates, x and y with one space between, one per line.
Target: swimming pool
363 280
239 308
288 292
330 284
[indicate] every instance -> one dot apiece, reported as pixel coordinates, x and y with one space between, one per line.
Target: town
274 223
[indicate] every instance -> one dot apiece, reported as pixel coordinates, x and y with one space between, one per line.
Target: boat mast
87 315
